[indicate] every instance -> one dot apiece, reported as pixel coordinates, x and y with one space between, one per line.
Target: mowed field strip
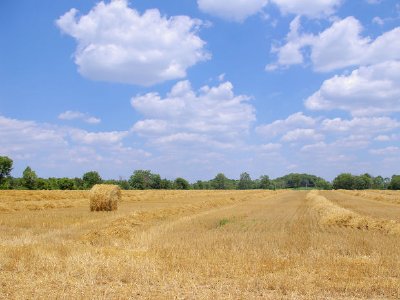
200 245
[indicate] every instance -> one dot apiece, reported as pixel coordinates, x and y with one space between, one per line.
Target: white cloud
392 150
368 90
339 46
387 138
378 21
92 138
210 115
118 44
65 151
272 147
77 115
363 125
302 135
310 8
234 10
294 121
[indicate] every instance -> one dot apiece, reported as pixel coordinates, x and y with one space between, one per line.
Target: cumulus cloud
339 46
302 135
370 90
64 150
234 10
370 125
118 44
294 121
310 8
184 115
77 115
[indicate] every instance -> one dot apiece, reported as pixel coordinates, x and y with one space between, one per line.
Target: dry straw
104 197
332 214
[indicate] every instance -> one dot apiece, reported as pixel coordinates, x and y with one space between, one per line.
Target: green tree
143 180
394 183
220 182
65 183
181 184
265 182
90 179
378 183
343 181
6 165
245 182
29 178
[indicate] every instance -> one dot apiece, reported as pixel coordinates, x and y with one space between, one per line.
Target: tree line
145 179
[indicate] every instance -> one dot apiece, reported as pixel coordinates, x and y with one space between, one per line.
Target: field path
364 206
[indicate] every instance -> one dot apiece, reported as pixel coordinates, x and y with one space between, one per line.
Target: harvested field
196 245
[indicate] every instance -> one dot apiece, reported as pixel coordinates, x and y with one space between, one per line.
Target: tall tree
6 165
265 182
29 178
181 184
90 179
245 182
220 182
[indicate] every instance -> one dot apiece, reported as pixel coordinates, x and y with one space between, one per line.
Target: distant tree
378 183
394 183
264 183
245 182
78 183
90 179
220 182
343 181
29 178
166 184
155 181
181 184
42 184
362 182
6 165
144 179
65 183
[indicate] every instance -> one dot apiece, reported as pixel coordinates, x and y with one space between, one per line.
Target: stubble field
201 245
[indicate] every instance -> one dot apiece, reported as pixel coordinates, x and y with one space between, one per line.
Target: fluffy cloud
302 135
212 115
294 121
368 90
363 125
77 115
339 46
64 151
310 8
118 44
235 10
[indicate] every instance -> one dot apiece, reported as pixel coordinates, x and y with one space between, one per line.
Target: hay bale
104 197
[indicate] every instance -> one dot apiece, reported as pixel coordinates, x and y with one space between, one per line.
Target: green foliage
65 183
29 179
264 182
395 183
90 179
223 222
245 182
181 184
220 182
6 165
144 179
343 181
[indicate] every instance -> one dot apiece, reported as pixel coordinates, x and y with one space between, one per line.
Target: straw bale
104 197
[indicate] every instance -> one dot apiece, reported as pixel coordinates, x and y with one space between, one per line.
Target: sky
197 87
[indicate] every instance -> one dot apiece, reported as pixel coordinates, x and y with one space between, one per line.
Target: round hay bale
104 197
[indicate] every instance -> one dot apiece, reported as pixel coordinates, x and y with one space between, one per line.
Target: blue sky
192 88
